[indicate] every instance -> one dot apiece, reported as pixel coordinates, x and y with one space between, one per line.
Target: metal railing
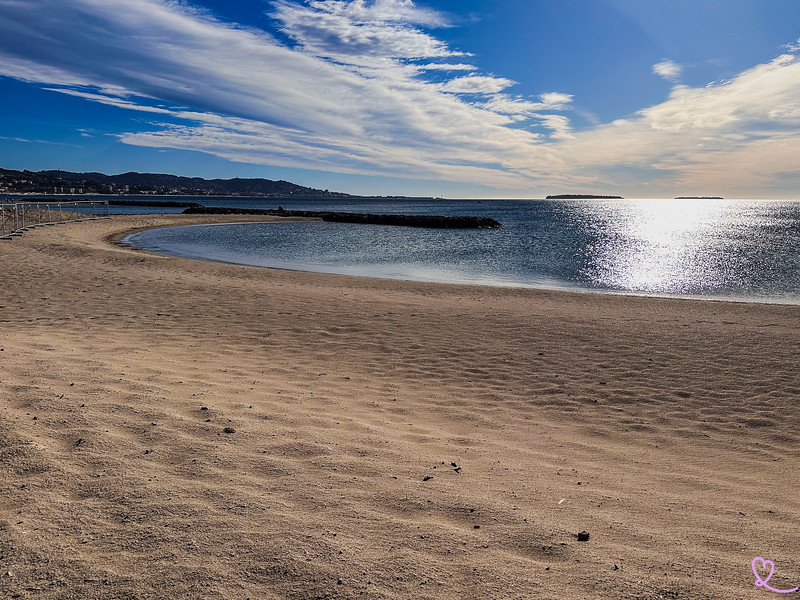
17 217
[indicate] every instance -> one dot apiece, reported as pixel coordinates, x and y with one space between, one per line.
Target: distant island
155 184
699 198
582 197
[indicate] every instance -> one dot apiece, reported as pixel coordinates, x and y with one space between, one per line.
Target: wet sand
173 428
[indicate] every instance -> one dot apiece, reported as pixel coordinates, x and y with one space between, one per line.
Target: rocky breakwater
432 221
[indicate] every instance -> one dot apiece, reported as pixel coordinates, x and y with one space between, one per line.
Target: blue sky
455 98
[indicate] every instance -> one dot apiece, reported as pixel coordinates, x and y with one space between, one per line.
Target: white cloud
367 108
27 141
243 87
399 11
360 33
446 67
112 100
555 100
505 104
732 137
559 125
477 84
669 70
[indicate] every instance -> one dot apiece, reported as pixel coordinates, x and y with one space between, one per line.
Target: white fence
18 217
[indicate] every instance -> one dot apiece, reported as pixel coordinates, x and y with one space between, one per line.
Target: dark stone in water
153 203
432 221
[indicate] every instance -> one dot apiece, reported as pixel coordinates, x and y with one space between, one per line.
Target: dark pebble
229 430
583 536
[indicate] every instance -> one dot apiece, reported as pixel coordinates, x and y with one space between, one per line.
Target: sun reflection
667 246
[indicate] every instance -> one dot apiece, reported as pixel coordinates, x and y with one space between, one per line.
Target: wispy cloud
446 67
559 125
505 104
734 137
358 33
477 84
111 100
364 87
27 141
349 97
668 69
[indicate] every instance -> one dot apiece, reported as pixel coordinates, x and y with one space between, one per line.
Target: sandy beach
176 429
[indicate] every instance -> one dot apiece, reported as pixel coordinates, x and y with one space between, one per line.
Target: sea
741 249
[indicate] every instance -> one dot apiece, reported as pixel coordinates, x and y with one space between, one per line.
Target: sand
173 428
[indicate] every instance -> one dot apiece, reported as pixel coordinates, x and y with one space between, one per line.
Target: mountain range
66 182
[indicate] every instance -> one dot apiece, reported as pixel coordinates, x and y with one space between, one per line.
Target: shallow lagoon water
725 249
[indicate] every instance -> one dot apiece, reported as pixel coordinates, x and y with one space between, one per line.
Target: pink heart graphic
759 564
763 566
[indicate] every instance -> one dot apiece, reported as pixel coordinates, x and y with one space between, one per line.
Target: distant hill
66 182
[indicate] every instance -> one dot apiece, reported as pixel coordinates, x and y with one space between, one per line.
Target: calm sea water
731 249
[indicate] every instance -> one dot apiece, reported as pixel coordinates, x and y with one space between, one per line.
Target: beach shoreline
454 261
181 428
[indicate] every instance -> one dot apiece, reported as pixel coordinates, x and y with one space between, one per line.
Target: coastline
661 427
350 271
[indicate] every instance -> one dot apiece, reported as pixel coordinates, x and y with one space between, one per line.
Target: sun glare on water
661 246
